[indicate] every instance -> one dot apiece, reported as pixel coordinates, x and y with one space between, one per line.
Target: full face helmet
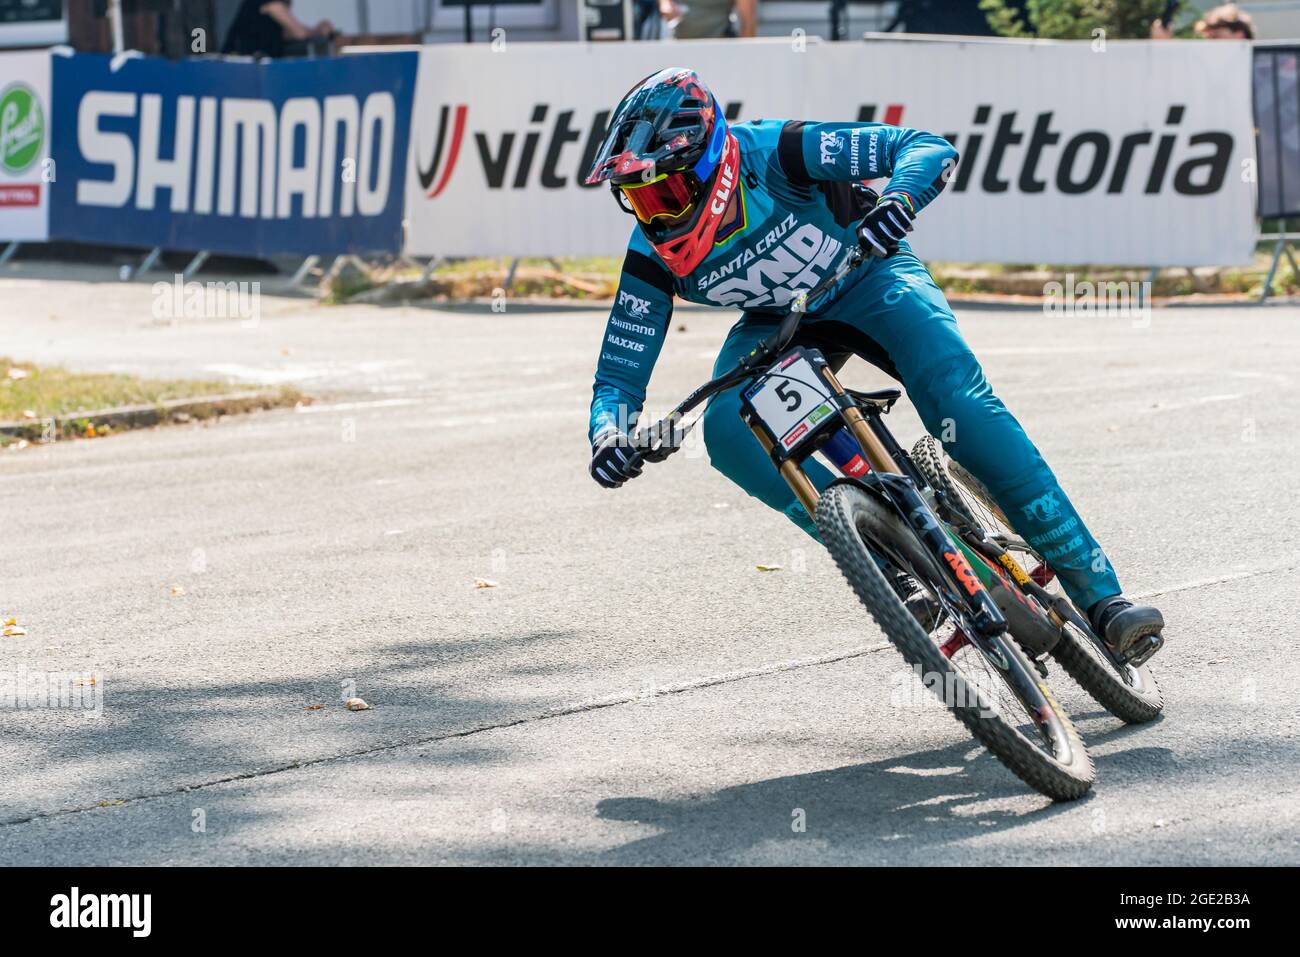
671 162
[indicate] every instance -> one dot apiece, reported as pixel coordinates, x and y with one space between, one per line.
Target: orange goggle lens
668 195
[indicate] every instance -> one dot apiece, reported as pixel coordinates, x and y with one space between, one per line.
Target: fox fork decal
986 616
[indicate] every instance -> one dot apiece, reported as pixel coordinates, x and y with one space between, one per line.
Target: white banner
1135 153
25 171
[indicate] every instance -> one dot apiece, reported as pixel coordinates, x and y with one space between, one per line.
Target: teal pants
894 316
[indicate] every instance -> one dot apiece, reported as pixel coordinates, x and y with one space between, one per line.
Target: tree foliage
1072 19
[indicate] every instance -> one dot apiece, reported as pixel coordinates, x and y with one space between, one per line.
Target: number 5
790 396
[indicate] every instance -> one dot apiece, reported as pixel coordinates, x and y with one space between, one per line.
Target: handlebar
656 442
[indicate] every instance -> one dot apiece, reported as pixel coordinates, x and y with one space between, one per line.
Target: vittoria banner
1127 152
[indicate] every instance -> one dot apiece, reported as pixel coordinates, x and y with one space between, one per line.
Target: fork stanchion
877 455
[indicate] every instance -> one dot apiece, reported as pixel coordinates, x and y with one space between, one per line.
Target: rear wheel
1131 694
994 693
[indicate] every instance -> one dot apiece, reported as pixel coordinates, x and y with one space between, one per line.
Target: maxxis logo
22 127
434 177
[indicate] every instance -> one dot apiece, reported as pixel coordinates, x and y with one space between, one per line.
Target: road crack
562 711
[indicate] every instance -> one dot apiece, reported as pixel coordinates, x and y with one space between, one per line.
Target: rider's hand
882 229
613 459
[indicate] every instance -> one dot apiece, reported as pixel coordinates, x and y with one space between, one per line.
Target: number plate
791 399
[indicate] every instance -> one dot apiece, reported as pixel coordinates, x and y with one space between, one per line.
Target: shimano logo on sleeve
855 151
634 327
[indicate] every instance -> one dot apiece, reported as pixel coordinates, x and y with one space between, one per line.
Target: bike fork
986 617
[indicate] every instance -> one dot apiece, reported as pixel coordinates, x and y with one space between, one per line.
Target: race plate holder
793 403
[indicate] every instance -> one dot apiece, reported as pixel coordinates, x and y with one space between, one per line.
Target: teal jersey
798 212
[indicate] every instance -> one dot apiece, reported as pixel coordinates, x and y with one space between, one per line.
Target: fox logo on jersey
831 145
636 307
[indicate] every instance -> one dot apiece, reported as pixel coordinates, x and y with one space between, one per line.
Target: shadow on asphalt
155 739
904 808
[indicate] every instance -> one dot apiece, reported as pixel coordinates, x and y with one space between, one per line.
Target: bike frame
973 566
892 478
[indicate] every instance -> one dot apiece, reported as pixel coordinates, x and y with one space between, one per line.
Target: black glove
613 460
882 229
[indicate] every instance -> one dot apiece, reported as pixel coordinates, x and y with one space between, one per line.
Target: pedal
1142 650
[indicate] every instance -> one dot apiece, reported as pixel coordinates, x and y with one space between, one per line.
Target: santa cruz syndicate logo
788 258
1000 152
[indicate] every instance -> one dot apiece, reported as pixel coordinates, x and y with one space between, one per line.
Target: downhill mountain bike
947 590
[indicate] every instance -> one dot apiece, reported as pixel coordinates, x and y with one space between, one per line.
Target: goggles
667 196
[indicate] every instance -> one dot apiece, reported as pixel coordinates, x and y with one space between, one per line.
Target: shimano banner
304 156
1127 152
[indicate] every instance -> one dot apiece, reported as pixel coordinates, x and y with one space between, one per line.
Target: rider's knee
950 391
721 425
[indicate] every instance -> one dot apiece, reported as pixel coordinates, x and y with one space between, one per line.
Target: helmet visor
667 196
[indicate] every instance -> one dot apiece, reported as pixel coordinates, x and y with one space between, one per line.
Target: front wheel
995 694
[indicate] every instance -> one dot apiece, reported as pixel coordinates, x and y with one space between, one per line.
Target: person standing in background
707 19
1226 22
265 28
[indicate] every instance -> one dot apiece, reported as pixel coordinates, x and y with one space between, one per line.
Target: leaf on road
10 621
115 802
768 568
178 590
357 704
484 583
13 631
313 707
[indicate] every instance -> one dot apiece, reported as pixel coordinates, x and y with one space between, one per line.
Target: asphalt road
633 690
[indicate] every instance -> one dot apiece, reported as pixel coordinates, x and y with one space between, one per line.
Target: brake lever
656 442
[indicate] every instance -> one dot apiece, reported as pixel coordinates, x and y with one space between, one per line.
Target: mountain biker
745 215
